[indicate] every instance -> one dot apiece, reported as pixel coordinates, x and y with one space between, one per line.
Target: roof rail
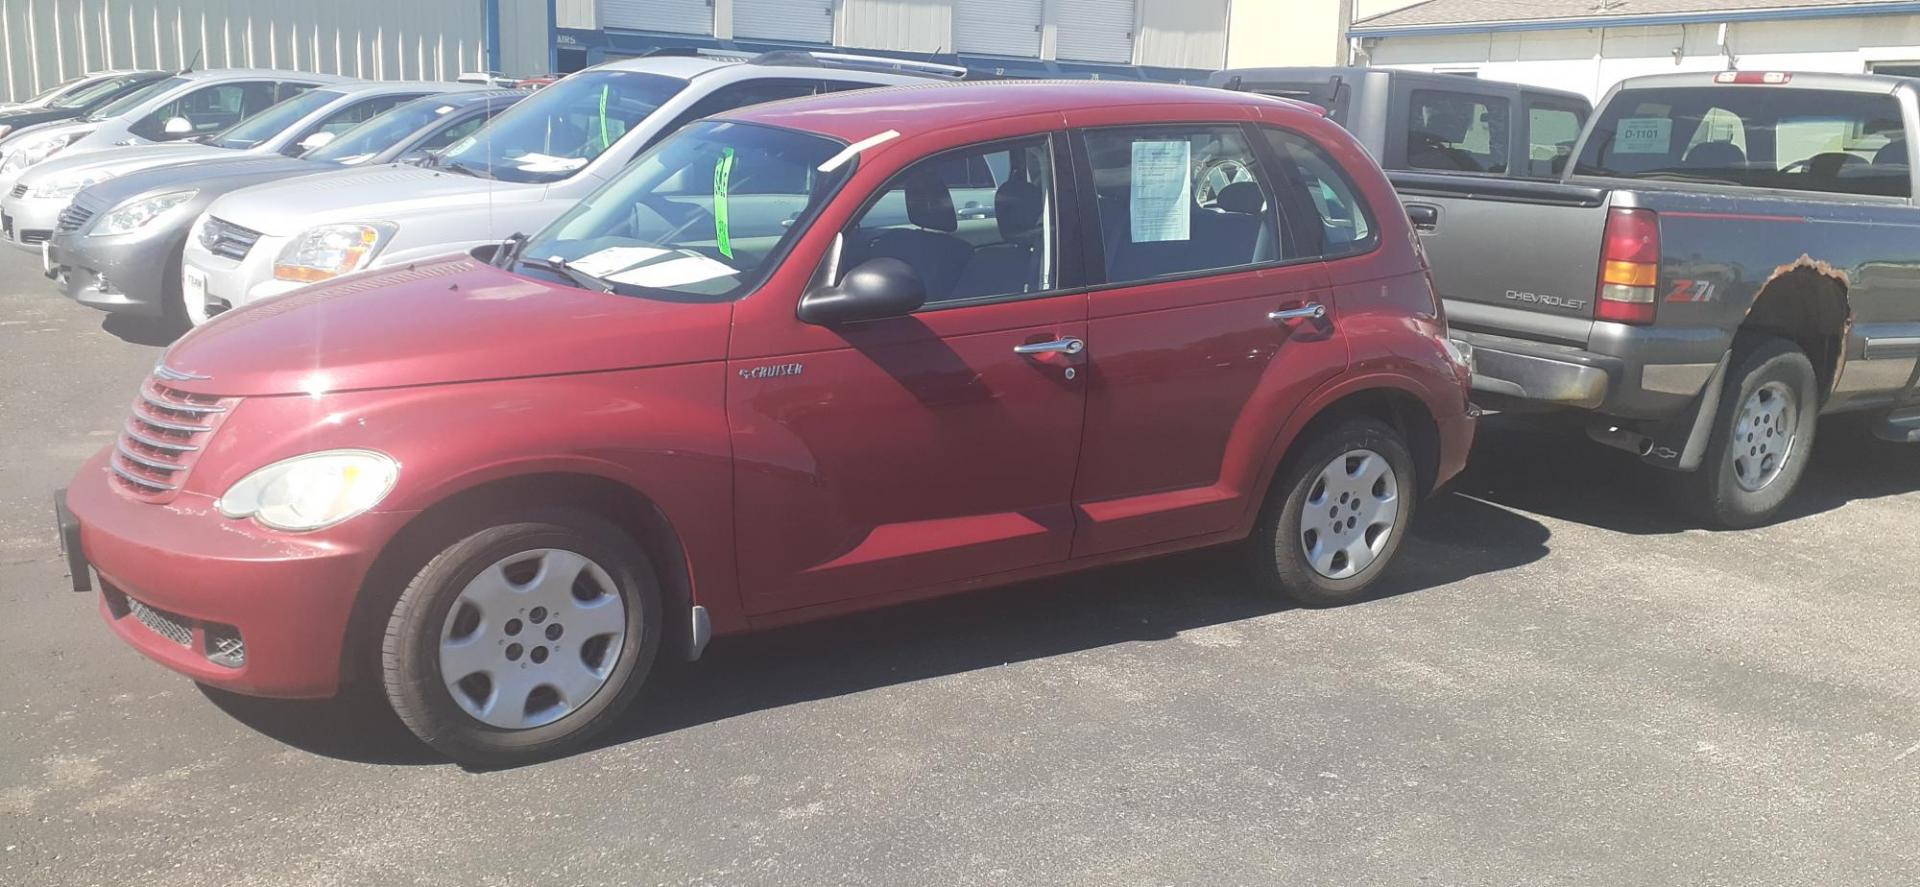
810 58
698 52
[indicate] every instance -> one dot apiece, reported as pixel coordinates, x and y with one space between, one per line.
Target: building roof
1483 15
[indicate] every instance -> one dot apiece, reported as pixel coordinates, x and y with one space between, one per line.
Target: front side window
1346 224
1179 200
1829 141
708 212
271 122
1457 132
554 133
1551 133
382 132
741 95
209 109
99 91
974 223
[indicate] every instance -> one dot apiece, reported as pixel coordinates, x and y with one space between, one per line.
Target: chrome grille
73 217
163 623
19 191
163 438
227 240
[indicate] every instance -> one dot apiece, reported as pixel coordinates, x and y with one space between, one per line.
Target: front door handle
1309 311
1058 346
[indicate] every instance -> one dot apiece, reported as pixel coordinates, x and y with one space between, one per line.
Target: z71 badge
772 371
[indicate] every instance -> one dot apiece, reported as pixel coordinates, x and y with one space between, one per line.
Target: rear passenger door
1208 317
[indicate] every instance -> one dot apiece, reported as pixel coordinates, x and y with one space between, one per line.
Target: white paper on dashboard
674 272
1643 135
548 163
614 258
1162 191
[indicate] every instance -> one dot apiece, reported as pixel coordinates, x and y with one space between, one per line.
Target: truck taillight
1629 266
1769 78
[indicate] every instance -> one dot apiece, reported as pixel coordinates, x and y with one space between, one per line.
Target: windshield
560 129
708 212
134 99
273 121
1834 141
80 98
384 131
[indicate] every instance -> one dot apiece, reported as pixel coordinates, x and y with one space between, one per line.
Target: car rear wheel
523 640
1763 432
1336 516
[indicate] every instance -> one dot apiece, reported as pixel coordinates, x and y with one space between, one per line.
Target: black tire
410 651
1715 493
1276 552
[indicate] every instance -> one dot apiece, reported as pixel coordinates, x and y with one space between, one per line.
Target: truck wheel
1337 514
523 640
1761 436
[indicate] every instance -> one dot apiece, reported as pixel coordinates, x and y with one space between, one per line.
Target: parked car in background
301 123
73 99
117 247
538 81
1730 257
1416 120
769 373
514 176
177 108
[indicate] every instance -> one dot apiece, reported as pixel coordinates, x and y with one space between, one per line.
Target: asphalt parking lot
1563 684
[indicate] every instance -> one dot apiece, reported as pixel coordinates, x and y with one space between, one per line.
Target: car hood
449 320
382 193
119 161
219 174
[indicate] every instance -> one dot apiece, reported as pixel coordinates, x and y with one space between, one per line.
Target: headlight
69 185
37 150
135 214
312 491
330 251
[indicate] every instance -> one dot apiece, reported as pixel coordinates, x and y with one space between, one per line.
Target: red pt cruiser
813 357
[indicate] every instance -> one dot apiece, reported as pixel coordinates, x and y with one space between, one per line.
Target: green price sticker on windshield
722 173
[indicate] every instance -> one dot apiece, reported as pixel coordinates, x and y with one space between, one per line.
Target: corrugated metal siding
51 40
998 27
675 16
581 14
805 21
1095 30
524 39
906 25
1182 34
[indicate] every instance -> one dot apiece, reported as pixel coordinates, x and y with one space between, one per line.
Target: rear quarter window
1456 132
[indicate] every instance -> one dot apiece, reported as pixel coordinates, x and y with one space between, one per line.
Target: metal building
47 41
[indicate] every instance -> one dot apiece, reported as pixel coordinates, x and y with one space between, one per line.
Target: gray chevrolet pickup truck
1729 257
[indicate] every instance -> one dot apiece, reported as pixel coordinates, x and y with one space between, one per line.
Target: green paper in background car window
722 172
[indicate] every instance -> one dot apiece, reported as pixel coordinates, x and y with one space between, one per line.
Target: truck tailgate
1499 246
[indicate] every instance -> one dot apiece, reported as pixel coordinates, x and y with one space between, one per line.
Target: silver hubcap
532 638
1350 514
1763 436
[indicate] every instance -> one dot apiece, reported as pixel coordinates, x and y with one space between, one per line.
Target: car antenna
193 61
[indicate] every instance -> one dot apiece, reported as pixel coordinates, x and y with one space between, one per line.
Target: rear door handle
1309 311
1068 345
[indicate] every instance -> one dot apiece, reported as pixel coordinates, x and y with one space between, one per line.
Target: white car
292 127
514 175
175 109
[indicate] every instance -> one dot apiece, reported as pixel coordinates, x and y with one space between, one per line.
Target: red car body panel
880 473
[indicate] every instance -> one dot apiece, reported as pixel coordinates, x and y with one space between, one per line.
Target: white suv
514 175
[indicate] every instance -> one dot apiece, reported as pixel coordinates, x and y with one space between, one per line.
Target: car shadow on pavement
1455 537
1554 470
141 330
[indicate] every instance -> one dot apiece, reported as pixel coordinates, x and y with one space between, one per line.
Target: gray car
117 246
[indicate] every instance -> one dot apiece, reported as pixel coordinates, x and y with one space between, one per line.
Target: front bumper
124 274
183 572
230 283
27 222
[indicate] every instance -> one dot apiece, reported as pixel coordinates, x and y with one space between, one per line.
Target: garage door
672 16
1096 31
997 27
803 21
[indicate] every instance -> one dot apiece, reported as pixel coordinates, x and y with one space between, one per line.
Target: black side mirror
874 289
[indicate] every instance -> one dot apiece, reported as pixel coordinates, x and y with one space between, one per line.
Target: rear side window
1180 200
1782 137
1457 132
1346 224
1551 133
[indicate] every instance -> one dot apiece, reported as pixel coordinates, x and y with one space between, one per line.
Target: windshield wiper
580 278
454 166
